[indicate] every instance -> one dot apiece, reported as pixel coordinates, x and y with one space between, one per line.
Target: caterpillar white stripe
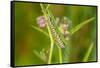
55 36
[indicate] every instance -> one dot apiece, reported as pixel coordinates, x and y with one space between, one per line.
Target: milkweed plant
59 33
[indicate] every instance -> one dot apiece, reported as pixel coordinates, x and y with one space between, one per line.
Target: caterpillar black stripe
56 37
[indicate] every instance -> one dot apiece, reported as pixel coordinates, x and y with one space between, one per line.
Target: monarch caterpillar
55 35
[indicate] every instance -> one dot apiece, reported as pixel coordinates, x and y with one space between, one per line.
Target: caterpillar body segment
55 35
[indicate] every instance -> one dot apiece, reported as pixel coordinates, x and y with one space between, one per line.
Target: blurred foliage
32 46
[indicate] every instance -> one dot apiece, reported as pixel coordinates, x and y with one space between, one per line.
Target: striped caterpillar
55 35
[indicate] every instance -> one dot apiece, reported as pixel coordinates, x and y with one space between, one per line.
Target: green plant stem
53 20
51 39
60 54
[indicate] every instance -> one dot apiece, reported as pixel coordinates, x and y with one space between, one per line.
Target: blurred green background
29 43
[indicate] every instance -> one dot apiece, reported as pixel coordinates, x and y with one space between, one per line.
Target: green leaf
76 28
40 30
87 55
